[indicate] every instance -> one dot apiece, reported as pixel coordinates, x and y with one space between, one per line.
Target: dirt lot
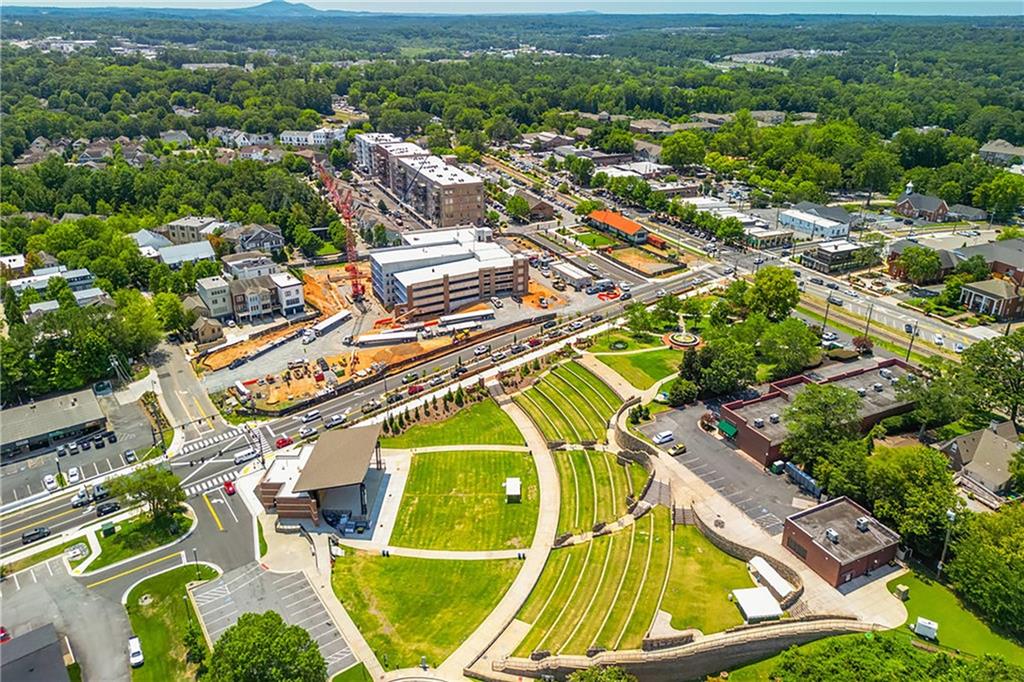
538 291
328 289
642 259
223 358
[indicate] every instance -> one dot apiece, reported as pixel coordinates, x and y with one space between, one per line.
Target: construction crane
343 205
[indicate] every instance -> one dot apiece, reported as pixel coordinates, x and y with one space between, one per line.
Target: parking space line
226 615
295 612
17 585
49 569
210 609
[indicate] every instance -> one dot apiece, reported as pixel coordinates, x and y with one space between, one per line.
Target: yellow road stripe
209 505
133 570
36 524
202 412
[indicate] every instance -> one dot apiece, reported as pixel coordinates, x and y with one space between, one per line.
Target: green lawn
593 488
39 557
701 579
160 625
481 423
327 249
603 343
456 500
643 370
958 627
601 593
570 404
356 673
595 240
407 607
263 540
135 536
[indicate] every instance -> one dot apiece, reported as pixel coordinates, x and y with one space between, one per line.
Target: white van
312 415
135 658
245 455
663 437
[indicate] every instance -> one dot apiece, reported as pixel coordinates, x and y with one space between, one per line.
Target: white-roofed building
812 225
757 604
364 144
437 272
289 293
179 254
441 193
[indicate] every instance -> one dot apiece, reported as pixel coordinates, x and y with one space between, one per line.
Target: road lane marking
36 524
227 503
213 513
133 570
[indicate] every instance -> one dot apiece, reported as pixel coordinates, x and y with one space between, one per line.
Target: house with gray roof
1001 152
835 213
150 239
999 298
177 255
915 205
984 456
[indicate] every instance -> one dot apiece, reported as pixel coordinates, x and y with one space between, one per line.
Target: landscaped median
477 424
137 535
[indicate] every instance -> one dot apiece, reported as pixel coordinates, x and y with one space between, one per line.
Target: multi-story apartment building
387 156
252 299
364 144
186 230
441 193
78 280
289 293
215 295
438 272
249 264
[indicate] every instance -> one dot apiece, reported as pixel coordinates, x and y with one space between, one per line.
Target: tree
974 267
588 206
517 207
155 486
940 398
682 392
171 312
912 488
987 569
774 292
996 368
920 264
1001 196
262 647
681 149
1010 232
876 171
666 310
638 319
599 673
870 254
820 417
727 366
790 345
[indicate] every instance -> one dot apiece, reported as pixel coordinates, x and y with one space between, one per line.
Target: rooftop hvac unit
862 392
832 535
758 422
878 387
773 418
862 524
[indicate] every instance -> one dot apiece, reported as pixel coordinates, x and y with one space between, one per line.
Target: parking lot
95 623
251 589
24 477
764 497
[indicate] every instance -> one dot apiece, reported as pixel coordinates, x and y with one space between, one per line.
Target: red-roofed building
619 225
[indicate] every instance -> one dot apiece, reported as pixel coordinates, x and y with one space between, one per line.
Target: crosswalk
210 483
207 442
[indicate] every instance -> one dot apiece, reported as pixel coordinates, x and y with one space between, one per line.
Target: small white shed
928 629
513 490
757 604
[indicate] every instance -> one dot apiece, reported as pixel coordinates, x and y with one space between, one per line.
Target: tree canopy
263 648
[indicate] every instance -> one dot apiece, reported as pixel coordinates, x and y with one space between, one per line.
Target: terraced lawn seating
604 342
478 424
700 582
646 368
602 593
456 501
593 487
407 607
570 404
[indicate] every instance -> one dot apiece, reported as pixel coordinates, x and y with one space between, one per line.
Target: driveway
251 589
95 623
764 497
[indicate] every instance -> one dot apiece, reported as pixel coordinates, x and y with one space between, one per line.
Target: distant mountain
279 8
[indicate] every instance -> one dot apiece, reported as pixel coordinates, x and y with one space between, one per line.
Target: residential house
99 151
177 255
1005 258
963 212
230 137
248 264
215 296
619 225
78 280
581 133
768 117
186 230
546 140
83 298
179 137
193 304
650 126
253 237
12 266
150 239
206 331
984 456
539 208
253 299
1001 152
290 296
646 151
263 154
915 205
999 298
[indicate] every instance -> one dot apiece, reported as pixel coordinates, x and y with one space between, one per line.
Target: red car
5 635
229 487
414 389
534 342
283 442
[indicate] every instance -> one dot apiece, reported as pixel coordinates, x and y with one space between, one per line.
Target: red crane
344 208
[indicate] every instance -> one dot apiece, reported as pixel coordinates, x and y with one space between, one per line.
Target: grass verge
137 535
263 540
643 370
357 673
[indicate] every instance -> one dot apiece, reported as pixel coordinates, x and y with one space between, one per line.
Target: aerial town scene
618 341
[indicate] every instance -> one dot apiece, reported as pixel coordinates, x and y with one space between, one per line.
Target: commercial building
248 264
999 298
539 208
839 255
839 540
545 141
77 280
835 213
814 226
330 476
42 423
35 656
440 193
573 276
758 426
439 271
766 238
311 138
364 144
215 295
618 225
179 254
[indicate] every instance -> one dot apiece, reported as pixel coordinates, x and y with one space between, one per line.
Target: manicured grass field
700 582
600 593
958 627
643 370
39 557
481 423
456 500
570 404
603 343
160 625
135 536
407 607
593 488
595 240
356 673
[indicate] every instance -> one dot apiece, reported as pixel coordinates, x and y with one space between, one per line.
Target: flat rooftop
841 515
52 414
466 266
286 469
437 171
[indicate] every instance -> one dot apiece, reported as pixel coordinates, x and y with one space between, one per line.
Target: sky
901 7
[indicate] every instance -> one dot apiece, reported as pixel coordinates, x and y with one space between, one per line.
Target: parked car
98 442
50 482
481 350
35 535
663 437
498 357
72 448
61 450
107 508
534 342
410 377
85 444
111 437
5 634
549 324
74 475
496 302
436 381
415 388
135 658
829 336
129 456
229 487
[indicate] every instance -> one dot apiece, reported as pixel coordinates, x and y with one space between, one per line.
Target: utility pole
950 518
911 344
828 306
867 325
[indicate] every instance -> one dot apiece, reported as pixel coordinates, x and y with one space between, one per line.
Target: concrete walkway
623 388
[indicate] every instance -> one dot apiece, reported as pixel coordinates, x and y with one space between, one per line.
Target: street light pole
195 559
950 518
910 345
867 325
828 306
